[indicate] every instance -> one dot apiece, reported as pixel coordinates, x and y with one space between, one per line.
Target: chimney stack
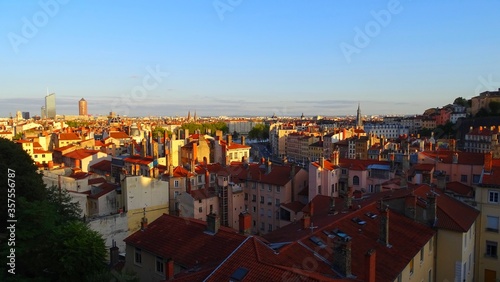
384 226
431 208
144 221
321 162
245 223
169 269
370 265
306 221
348 198
335 157
342 256
488 162
114 254
269 165
455 158
213 223
143 148
229 139
243 140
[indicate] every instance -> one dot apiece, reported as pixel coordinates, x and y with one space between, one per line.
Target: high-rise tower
82 107
50 105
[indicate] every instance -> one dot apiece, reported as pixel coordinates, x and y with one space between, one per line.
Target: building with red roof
83 158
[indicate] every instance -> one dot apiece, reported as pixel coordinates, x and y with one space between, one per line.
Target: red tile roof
354 164
185 241
464 158
81 154
295 206
104 165
200 194
105 188
460 189
139 160
68 136
118 135
96 180
37 151
493 177
235 146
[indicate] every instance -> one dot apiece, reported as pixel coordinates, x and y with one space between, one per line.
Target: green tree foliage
259 132
160 131
203 127
494 108
28 182
461 101
76 123
51 242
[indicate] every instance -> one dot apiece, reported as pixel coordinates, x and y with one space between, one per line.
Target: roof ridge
231 254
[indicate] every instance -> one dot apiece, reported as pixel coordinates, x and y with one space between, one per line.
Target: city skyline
243 58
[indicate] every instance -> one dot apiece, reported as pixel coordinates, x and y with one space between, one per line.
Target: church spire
359 121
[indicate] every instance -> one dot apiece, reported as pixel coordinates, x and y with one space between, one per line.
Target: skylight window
359 221
371 215
318 241
239 274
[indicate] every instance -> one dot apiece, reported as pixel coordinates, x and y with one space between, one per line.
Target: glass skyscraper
50 105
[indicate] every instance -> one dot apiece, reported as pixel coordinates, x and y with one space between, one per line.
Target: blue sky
242 57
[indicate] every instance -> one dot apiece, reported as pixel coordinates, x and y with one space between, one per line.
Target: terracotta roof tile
460 189
68 136
81 154
119 135
104 165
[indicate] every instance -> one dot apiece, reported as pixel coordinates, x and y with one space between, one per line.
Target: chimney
78 163
170 170
245 223
242 140
410 206
207 178
229 139
186 135
114 254
306 221
113 149
155 150
213 223
455 158
269 165
143 148
431 208
195 152
144 221
335 157
348 198
311 208
169 269
370 265
342 256
321 162
488 162
384 226
132 148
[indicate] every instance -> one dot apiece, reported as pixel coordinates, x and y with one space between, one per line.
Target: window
492 223
270 228
319 189
422 255
493 196
176 193
261 199
277 214
138 256
176 183
491 249
355 180
269 188
254 223
254 198
160 265
278 189
344 171
261 212
199 178
475 178
269 213
277 202
429 277
246 196
262 186
200 209
262 226
269 200
254 209
430 245
463 178
411 266
400 277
